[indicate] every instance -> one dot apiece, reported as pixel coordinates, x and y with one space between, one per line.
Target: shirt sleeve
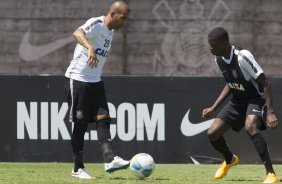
90 27
249 64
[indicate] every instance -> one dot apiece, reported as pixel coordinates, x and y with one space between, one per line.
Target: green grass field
49 173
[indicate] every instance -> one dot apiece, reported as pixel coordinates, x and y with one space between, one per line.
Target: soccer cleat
224 167
117 164
271 178
81 174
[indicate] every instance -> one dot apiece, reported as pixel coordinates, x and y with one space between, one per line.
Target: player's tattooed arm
271 118
80 37
207 112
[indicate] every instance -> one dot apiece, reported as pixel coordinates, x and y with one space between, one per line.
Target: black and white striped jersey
240 72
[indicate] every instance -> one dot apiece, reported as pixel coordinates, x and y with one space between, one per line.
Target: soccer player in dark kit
250 106
85 89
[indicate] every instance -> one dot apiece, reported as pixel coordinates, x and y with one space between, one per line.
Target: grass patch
54 173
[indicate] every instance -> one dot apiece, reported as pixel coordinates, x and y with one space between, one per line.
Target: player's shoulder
246 59
246 53
243 54
96 20
240 50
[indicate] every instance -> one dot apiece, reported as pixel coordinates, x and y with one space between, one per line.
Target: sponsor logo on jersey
234 73
102 52
236 86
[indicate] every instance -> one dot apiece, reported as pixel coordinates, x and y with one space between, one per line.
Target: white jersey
100 37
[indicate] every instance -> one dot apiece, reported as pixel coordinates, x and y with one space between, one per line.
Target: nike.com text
45 120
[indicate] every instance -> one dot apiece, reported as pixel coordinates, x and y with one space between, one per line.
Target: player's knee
78 132
251 131
212 134
251 128
103 130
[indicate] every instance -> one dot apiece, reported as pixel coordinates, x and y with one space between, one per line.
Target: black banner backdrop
157 115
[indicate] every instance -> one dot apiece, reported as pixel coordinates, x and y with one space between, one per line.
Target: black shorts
235 114
85 100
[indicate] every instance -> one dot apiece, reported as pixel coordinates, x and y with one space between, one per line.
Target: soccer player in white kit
85 89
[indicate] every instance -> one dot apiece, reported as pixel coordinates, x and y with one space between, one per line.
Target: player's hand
207 112
92 58
271 120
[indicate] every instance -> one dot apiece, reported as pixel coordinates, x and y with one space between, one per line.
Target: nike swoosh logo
194 161
29 52
256 110
191 129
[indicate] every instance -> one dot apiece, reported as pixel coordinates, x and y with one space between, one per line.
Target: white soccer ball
142 165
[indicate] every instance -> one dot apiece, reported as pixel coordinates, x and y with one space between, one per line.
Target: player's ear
112 14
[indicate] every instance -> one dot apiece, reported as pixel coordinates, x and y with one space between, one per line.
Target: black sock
77 142
221 146
78 161
107 152
262 150
104 138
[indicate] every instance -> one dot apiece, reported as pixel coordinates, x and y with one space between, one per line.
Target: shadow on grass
134 178
245 180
